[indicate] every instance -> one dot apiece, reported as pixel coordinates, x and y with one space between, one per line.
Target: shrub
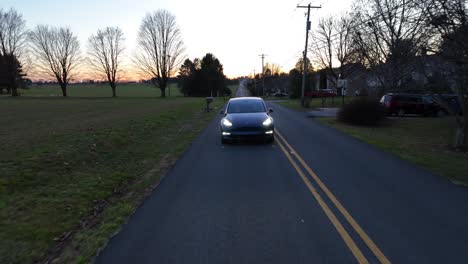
363 112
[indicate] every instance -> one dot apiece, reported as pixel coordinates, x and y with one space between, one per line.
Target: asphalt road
242 90
318 196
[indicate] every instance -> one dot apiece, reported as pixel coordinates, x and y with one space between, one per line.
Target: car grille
249 128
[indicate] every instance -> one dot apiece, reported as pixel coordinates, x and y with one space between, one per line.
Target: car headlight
268 122
227 123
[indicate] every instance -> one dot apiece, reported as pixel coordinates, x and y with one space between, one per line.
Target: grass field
140 90
100 90
73 169
423 141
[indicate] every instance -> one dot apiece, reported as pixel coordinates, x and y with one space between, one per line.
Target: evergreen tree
202 78
11 74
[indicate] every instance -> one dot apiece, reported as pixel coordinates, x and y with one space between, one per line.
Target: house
427 72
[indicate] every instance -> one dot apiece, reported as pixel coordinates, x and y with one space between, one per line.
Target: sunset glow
234 31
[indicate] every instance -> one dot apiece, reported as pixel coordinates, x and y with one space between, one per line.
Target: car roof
405 94
246 98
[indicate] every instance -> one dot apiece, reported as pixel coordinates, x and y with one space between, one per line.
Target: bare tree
345 47
332 47
12 40
449 18
56 53
323 48
160 47
105 49
390 33
275 69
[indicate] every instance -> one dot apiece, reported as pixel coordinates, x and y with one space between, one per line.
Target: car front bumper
252 134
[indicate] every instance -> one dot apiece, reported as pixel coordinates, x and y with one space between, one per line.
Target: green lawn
73 169
423 141
101 90
335 102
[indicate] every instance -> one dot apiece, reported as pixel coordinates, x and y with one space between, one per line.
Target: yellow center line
339 227
367 240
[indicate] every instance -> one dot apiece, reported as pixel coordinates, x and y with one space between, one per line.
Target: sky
236 32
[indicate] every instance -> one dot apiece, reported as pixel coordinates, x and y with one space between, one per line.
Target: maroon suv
402 104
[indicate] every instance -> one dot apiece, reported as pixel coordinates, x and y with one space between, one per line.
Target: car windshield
246 106
385 99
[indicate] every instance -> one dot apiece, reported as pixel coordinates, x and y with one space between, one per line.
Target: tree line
393 39
390 41
55 52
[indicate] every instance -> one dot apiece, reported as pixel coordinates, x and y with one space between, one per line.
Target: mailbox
209 100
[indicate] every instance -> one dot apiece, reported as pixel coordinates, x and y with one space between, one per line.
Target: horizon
236 37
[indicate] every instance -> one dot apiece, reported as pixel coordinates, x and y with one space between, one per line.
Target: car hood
247 118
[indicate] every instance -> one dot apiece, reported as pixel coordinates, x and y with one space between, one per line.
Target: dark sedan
247 117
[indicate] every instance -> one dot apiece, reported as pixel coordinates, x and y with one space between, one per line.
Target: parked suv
402 104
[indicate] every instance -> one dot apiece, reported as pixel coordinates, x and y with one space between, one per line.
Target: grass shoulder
315 103
292 104
423 141
233 88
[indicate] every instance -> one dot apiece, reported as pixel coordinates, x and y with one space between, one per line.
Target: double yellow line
292 156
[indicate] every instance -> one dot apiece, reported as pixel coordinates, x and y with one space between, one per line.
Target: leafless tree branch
56 53
12 32
394 31
332 46
105 50
160 47
449 18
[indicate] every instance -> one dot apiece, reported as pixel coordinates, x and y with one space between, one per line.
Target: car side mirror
221 112
270 110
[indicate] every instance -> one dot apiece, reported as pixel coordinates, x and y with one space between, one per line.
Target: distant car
247 118
280 94
402 104
321 93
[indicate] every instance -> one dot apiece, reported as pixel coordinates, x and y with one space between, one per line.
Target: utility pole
304 74
263 73
255 82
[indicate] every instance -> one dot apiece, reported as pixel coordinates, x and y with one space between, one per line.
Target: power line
354 27
298 4
324 2
357 25
296 54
